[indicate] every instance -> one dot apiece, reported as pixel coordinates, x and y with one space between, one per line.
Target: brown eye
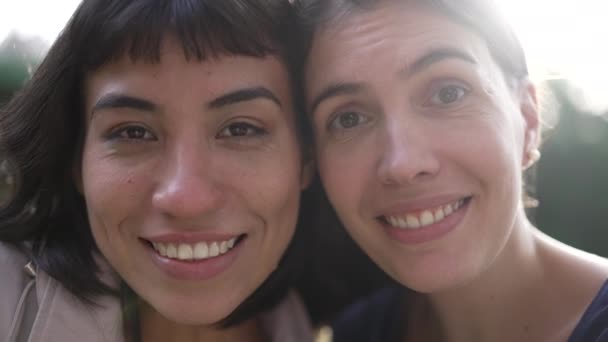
133 132
241 129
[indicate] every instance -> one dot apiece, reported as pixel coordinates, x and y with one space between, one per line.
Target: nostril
187 197
407 170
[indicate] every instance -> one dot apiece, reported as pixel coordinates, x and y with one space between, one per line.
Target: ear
530 112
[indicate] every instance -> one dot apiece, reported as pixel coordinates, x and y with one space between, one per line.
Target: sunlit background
563 38
566 42
566 39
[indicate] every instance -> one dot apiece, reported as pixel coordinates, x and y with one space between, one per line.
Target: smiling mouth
201 250
424 218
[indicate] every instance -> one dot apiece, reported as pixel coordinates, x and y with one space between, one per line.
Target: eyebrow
242 95
436 56
432 57
335 90
116 100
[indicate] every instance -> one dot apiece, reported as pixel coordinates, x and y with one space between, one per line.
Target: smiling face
191 173
420 142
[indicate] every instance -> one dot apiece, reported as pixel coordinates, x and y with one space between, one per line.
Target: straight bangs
103 31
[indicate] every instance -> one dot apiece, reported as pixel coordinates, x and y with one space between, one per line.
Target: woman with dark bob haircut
424 120
158 172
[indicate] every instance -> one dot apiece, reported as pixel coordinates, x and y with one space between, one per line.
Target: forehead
209 77
392 35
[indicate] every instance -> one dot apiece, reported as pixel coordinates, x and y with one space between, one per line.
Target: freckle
129 181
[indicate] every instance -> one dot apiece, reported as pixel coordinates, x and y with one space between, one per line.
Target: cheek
490 159
269 185
344 172
110 192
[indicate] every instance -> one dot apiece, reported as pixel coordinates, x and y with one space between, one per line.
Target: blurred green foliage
18 57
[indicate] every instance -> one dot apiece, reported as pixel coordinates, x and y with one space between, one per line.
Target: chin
192 310
195 316
441 279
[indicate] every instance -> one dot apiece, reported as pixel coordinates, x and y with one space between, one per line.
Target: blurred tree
18 57
572 176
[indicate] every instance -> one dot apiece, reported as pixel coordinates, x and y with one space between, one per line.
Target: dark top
379 318
593 326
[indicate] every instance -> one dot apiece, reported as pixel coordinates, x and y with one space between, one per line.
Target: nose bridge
407 155
188 186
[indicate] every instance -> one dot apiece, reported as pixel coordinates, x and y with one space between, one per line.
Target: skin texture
411 111
188 167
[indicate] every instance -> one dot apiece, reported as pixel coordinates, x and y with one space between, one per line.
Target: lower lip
196 269
431 232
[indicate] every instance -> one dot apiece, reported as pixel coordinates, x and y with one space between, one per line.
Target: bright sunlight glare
31 18
565 39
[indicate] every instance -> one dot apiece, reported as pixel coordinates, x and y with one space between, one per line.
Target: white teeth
184 252
412 221
439 214
171 251
393 221
214 250
447 210
200 250
424 218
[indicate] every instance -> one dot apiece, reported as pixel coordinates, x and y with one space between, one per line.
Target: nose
188 187
406 156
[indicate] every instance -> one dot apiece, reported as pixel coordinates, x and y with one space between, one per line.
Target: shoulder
12 282
593 326
11 258
580 289
288 321
370 319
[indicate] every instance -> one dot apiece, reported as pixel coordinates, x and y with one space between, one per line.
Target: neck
155 327
492 307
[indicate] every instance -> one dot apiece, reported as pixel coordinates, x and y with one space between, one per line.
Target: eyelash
252 131
122 133
334 123
434 99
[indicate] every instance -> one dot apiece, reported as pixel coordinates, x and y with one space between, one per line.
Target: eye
448 94
133 132
348 120
241 129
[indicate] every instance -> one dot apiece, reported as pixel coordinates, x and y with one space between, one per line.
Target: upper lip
413 205
193 237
